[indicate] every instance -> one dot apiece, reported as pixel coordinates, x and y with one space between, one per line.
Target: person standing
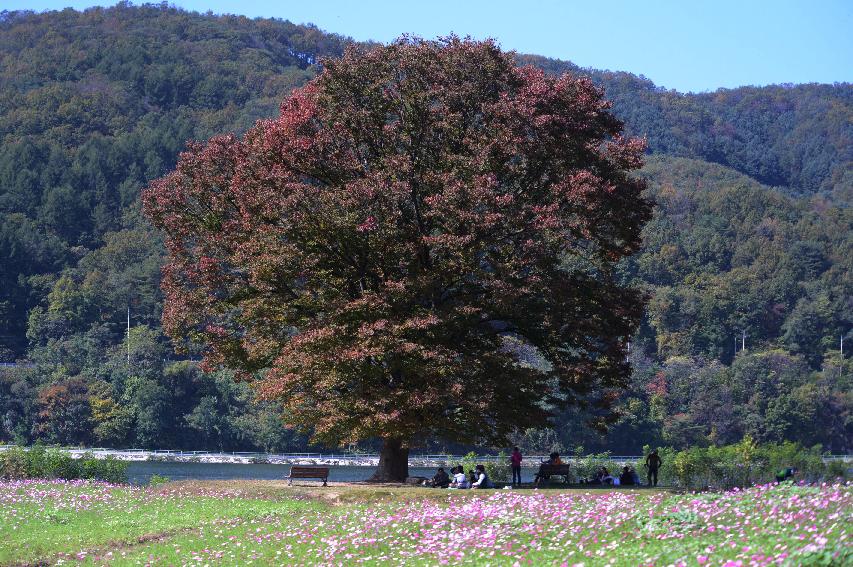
653 463
515 464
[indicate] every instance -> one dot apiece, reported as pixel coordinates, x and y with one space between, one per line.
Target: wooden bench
547 471
321 473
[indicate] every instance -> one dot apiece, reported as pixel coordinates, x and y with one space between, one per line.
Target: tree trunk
393 462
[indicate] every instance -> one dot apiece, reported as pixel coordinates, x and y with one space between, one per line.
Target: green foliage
83 133
744 464
768 133
499 470
837 470
14 463
586 466
681 521
469 462
50 463
726 254
157 480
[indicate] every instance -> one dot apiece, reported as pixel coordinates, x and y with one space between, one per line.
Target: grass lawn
257 522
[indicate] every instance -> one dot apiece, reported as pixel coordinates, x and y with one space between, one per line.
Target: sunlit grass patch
45 519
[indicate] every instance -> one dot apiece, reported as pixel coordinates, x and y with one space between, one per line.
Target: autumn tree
422 244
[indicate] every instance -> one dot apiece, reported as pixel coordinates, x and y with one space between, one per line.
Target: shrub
157 480
837 469
585 467
38 462
469 461
745 463
498 471
13 463
688 465
89 466
809 462
112 470
59 464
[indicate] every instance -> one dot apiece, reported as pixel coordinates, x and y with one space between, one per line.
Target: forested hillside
792 136
753 234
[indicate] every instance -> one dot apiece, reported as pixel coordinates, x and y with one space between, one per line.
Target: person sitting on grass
635 476
483 480
626 478
440 480
459 479
598 476
604 476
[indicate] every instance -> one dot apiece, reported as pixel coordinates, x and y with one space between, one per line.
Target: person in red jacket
515 464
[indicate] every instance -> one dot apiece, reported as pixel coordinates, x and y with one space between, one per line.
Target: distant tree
17 401
152 406
64 414
367 255
210 419
113 422
804 330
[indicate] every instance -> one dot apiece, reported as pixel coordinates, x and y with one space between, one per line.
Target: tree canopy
368 255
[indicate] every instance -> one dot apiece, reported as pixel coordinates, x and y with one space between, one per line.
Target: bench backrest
309 472
554 469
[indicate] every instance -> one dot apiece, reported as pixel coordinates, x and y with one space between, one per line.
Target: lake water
139 472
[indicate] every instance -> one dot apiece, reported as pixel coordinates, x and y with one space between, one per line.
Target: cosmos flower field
60 522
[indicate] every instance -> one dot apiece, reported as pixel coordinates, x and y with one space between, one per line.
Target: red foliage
364 256
64 412
658 386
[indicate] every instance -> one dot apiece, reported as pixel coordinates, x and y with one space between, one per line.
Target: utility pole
128 335
743 339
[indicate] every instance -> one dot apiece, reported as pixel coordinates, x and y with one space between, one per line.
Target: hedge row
39 462
739 465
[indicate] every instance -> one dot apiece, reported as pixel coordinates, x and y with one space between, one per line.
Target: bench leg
290 482
324 482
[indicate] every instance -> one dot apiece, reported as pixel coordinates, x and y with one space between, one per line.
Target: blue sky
687 45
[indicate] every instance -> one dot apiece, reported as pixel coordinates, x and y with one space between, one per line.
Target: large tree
422 244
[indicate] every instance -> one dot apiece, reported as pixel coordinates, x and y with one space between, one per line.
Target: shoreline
305 459
344 460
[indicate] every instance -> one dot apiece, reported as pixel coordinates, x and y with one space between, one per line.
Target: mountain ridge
699 127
